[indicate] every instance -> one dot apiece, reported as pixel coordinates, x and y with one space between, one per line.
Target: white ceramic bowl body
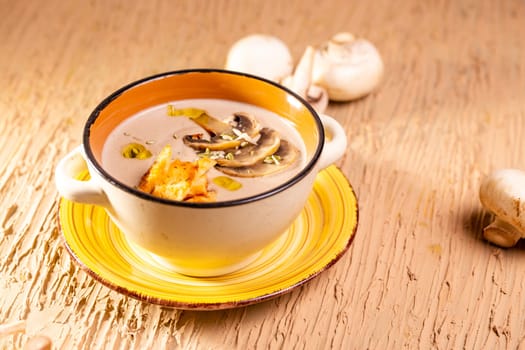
200 239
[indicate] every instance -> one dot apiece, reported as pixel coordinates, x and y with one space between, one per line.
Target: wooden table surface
419 275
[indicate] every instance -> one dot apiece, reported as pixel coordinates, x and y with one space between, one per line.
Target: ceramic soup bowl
199 239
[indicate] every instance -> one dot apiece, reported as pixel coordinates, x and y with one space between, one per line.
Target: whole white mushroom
503 194
262 55
342 69
348 68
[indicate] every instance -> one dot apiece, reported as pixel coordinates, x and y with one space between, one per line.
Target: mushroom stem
301 82
302 76
502 193
501 233
338 44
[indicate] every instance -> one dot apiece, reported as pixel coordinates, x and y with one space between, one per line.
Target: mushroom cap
262 55
347 68
242 122
287 154
245 123
503 194
216 143
267 145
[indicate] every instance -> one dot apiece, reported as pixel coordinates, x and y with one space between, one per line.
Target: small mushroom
285 156
301 82
348 68
231 133
262 55
267 145
38 342
503 194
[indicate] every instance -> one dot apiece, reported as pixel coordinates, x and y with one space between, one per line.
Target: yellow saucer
315 241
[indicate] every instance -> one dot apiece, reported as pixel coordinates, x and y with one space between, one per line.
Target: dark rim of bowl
115 182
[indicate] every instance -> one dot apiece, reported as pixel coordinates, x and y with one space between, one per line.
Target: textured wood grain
419 275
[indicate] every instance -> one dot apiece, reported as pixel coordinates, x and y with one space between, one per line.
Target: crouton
178 180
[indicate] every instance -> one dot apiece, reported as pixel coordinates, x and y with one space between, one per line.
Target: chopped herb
226 137
243 136
136 151
273 159
187 112
227 183
212 154
229 156
195 137
206 153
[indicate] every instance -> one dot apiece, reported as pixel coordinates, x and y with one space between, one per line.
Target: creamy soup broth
154 129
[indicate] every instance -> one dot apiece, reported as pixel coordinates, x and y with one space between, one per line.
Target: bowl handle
69 187
335 141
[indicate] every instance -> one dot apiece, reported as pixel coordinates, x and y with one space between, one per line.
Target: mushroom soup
190 126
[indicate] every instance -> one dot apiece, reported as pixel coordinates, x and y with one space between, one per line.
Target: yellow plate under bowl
315 241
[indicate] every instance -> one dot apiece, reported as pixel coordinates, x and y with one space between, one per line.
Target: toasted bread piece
178 180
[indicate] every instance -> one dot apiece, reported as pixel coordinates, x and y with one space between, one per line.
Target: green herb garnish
136 151
190 112
273 159
227 183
